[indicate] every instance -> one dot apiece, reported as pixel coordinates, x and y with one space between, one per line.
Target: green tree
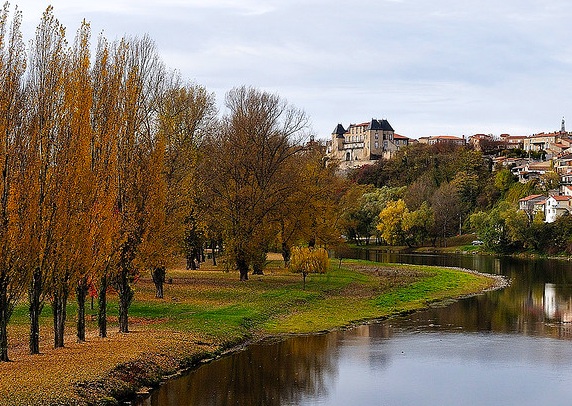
503 180
416 224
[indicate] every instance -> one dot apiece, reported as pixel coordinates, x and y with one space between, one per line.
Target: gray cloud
444 66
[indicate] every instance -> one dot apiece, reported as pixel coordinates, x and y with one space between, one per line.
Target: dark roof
339 130
379 125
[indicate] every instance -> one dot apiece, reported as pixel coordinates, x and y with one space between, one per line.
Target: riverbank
208 312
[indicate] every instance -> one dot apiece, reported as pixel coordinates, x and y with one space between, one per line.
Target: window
377 144
348 156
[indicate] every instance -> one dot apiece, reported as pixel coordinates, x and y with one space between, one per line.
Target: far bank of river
507 347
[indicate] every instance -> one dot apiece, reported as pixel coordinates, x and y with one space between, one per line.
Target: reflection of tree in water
281 373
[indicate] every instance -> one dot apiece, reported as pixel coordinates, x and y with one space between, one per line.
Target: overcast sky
438 67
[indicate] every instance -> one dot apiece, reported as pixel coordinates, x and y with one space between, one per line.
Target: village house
552 206
566 190
531 170
556 206
512 141
442 139
364 143
563 166
553 144
529 204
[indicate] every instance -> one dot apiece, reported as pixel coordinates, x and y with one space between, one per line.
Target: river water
507 347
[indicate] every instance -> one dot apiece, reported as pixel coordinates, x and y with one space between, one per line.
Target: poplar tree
106 119
12 67
139 161
71 228
46 92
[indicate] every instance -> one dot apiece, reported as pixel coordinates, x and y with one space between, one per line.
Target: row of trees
91 146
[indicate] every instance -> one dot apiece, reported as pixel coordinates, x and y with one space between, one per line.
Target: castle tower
338 137
563 126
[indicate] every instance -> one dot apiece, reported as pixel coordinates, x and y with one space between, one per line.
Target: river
507 347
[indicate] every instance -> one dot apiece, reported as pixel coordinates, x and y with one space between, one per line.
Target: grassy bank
206 312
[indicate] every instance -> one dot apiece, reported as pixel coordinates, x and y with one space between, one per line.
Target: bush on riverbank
205 312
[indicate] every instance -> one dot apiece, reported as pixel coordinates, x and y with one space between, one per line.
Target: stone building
364 143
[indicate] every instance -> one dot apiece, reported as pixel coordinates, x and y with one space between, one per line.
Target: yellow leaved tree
307 260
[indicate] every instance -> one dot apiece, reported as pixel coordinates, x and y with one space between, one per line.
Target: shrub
308 260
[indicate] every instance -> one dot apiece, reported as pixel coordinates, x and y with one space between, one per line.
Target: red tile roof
445 137
527 198
561 198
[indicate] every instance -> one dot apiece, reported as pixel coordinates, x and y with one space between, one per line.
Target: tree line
112 164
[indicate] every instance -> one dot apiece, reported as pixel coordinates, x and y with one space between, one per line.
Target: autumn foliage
309 260
86 144
112 165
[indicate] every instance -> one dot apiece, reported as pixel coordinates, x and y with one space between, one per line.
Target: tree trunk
3 336
312 242
35 308
257 268
102 311
286 253
5 314
81 295
213 250
59 313
242 265
125 297
158 276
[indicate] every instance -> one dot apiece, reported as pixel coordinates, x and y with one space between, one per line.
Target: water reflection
538 302
384 364
505 347
275 373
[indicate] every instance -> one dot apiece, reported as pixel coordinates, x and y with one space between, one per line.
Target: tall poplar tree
46 91
12 67
107 118
139 157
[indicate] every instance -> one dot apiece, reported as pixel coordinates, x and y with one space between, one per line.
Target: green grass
432 284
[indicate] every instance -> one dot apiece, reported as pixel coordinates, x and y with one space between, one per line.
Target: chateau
364 143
